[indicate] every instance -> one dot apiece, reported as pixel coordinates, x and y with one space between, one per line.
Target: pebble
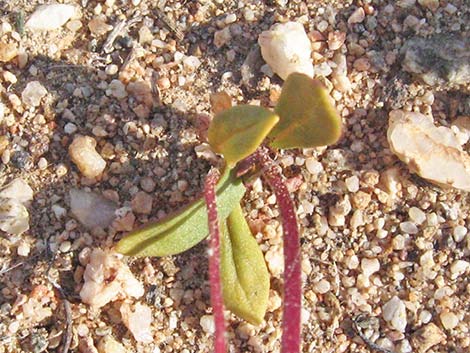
449 320
429 59
8 51
425 316
322 286
416 215
50 17
116 89
138 321
427 337
23 249
394 312
286 48
458 268
222 37
459 233
369 266
98 26
336 40
147 184
109 345
111 69
70 128
91 210
352 183
409 228
42 163
313 166
404 346
357 16
83 153
33 93
14 217
142 203
18 190
107 278
207 323
432 152
248 14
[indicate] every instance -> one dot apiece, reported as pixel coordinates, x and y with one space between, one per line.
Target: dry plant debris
372 231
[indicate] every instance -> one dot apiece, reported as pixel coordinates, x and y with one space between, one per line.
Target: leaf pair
304 117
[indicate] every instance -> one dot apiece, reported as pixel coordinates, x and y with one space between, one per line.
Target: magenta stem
291 319
214 261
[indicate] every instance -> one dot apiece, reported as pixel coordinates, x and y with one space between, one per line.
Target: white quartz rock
138 321
107 279
50 17
432 152
394 312
287 49
14 217
19 190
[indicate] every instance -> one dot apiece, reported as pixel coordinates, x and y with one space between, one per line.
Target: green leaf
182 231
237 132
245 278
308 117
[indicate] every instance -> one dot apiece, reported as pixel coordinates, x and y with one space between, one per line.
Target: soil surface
381 247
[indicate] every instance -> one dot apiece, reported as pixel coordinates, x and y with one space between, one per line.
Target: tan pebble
83 154
7 51
449 320
361 200
164 83
361 64
336 40
109 345
142 203
357 16
98 26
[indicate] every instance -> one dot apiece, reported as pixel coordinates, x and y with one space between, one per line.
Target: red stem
214 261
291 325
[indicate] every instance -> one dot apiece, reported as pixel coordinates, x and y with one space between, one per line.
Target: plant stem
291 325
214 261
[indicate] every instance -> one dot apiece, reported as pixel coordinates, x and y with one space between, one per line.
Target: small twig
367 341
169 23
118 29
2 272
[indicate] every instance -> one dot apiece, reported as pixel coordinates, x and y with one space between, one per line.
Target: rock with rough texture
138 321
92 210
427 337
19 190
33 93
440 59
83 153
287 49
8 51
108 279
50 17
14 217
432 152
394 312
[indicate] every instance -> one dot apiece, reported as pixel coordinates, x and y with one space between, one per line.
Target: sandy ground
353 199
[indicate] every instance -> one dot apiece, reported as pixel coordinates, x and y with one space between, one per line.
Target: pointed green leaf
308 117
245 278
237 132
180 232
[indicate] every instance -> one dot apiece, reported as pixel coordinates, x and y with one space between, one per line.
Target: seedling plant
246 136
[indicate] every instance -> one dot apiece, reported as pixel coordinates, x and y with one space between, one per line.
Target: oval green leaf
180 232
237 132
245 277
308 117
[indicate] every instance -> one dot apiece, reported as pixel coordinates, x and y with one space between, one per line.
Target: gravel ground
385 253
